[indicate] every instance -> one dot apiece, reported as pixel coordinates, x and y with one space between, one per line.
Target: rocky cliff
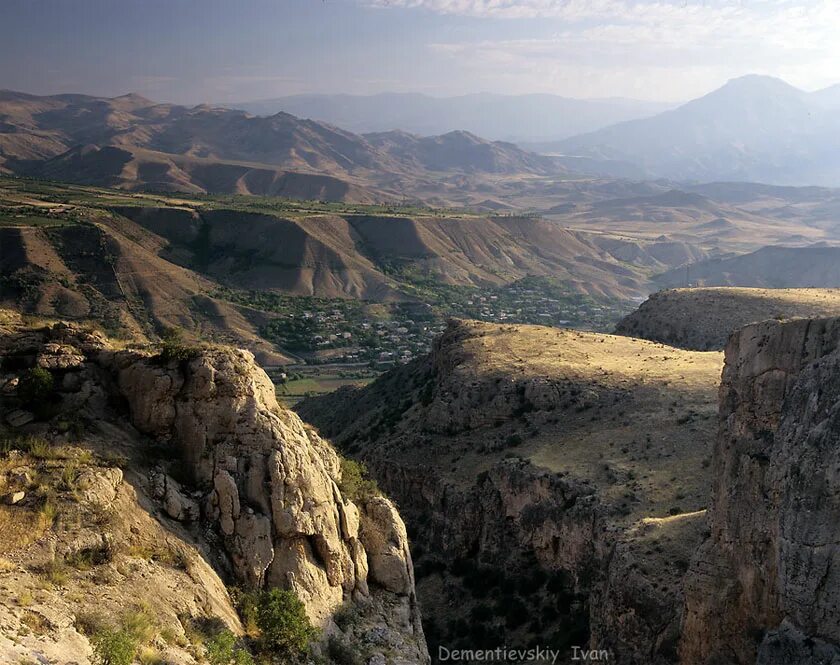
763 587
211 459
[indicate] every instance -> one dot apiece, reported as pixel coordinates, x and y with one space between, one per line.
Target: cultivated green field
308 382
98 197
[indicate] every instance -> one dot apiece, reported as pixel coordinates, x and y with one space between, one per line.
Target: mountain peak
759 83
132 100
133 96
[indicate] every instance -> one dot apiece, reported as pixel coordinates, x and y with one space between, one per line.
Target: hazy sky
190 51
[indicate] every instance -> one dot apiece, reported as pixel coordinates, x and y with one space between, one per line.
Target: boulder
19 418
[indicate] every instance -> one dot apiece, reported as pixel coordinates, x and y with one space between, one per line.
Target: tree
284 626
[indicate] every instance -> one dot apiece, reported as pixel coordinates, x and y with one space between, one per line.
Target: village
380 335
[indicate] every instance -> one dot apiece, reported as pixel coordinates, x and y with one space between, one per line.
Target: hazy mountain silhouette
754 128
535 117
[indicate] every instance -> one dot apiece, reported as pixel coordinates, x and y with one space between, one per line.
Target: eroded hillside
133 143
571 466
376 257
140 486
89 265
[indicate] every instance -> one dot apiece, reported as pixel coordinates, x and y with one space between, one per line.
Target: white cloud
605 10
667 49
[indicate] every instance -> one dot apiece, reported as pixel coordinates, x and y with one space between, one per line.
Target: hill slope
91 265
768 267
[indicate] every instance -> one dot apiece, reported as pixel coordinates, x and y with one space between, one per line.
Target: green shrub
222 649
242 657
114 646
284 627
346 616
118 643
173 347
355 483
246 604
36 386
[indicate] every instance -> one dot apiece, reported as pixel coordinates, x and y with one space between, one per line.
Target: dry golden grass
645 442
704 317
51 470
605 360
20 527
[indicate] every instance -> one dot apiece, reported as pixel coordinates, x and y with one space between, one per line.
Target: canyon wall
764 586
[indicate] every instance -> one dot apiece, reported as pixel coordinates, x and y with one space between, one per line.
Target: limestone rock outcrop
766 584
218 458
270 484
270 481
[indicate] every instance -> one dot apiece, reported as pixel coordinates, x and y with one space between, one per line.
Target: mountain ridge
754 128
164 146
545 116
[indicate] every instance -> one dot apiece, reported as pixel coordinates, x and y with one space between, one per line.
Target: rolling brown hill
716 227
459 150
139 169
133 143
774 267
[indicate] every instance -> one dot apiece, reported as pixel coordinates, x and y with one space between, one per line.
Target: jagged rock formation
256 489
510 454
703 318
763 588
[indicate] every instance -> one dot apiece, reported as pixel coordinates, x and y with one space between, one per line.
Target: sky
223 51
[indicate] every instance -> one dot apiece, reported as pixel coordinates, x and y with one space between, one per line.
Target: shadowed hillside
768 267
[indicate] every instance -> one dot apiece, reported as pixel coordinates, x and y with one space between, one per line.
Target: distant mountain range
132 143
755 128
519 118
